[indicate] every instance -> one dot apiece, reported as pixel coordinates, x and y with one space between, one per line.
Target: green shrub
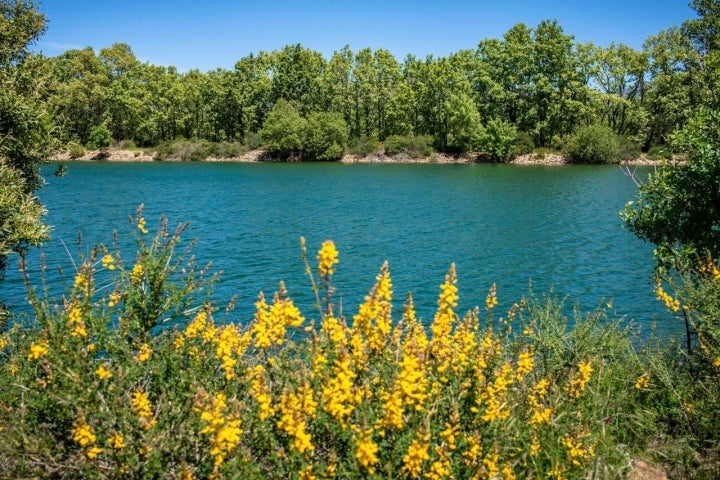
326 136
498 140
660 152
363 146
226 149
628 149
75 150
252 140
416 146
100 138
594 144
524 143
284 130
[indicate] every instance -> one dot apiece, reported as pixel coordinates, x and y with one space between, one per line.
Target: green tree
24 127
284 130
465 131
100 138
678 208
297 77
20 212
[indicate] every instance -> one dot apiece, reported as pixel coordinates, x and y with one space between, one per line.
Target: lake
545 228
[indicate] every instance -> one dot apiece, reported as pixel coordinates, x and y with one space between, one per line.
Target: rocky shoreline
137 155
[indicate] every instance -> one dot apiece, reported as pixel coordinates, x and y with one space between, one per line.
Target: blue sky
210 34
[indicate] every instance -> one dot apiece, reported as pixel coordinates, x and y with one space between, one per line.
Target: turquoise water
555 228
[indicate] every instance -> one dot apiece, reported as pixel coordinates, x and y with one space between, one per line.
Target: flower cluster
327 259
380 397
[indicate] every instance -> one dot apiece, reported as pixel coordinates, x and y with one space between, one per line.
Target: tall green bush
284 130
326 136
416 146
100 138
594 144
498 140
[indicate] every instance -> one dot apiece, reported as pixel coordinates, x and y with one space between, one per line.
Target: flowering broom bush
131 375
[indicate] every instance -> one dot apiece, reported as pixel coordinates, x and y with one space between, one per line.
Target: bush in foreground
133 374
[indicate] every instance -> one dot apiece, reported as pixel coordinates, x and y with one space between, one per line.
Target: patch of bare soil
644 471
136 155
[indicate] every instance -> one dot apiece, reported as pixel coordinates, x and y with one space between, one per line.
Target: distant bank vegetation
534 89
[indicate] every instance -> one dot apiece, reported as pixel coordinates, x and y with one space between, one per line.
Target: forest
533 88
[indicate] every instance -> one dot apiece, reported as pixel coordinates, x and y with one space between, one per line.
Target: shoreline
255 156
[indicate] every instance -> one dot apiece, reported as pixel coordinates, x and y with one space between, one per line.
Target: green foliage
100 138
415 146
284 130
594 144
20 216
628 149
498 141
170 390
197 150
326 136
75 150
524 143
21 24
364 146
24 128
678 208
657 152
464 128
252 141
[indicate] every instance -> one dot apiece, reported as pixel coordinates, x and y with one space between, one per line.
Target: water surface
554 228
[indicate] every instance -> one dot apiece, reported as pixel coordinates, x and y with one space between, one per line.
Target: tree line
532 88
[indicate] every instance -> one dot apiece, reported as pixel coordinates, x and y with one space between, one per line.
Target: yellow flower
38 350
114 299
366 451
576 450
525 364
643 382
717 362
491 299
108 262
490 464
93 452
117 441
137 273
338 391
306 473
143 355
83 279
75 322
197 326
327 257
143 409
295 409
580 380
103 372
669 301
449 435
141 225
416 454
82 433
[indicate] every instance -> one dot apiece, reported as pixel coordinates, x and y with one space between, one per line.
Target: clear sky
207 34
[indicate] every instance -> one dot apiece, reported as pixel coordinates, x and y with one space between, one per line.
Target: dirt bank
138 155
